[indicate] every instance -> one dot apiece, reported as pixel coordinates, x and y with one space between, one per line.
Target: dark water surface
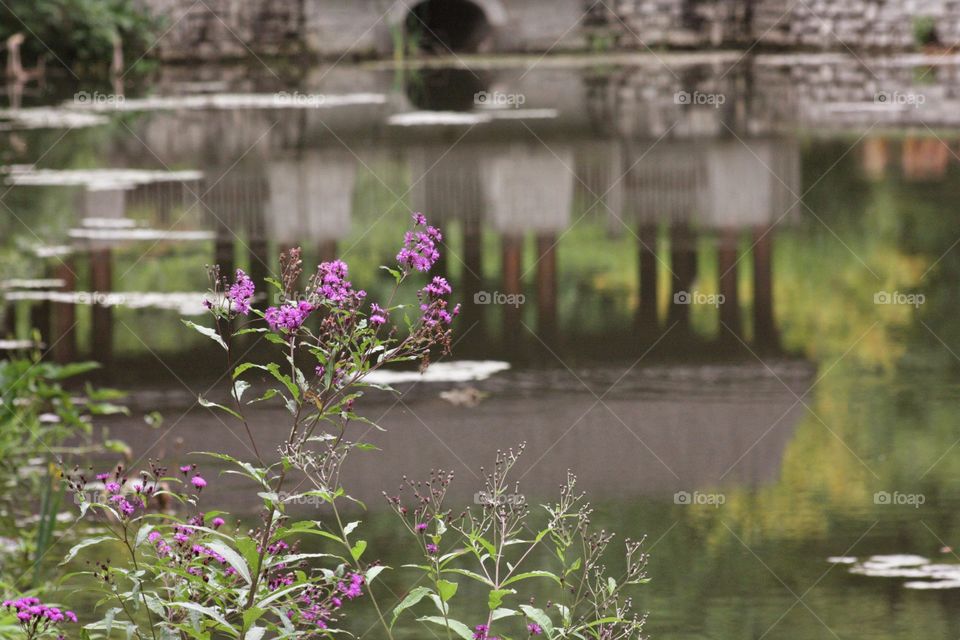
810 415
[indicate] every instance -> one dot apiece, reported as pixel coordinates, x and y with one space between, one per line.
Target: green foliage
80 33
43 424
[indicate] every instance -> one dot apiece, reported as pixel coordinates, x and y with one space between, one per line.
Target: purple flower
241 293
288 317
378 316
198 482
534 629
480 632
332 283
437 288
217 522
431 548
419 249
36 617
421 527
112 487
187 468
354 589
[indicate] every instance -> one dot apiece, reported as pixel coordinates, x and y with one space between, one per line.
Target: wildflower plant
179 569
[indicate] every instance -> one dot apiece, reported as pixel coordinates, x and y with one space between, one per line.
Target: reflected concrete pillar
764 328
646 318
101 279
727 266
683 263
547 287
512 271
311 197
63 334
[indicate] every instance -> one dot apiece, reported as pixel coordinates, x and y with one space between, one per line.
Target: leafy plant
179 571
43 425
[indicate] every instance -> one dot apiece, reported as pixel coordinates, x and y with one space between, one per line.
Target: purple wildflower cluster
185 548
35 617
241 293
434 306
331 284
288 317
320 604
378 315
420 246
480 633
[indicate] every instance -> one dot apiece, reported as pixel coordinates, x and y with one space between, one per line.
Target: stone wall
332 29
857 24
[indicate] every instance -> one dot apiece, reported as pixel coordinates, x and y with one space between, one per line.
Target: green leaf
358 549
532 574
495 598
83 545
412 598
446 589
373 572
274 370
250 616
350 527
232 557
470 574
457 627
207 331
254 633
239 387
497 614
540 617
213 405
209 612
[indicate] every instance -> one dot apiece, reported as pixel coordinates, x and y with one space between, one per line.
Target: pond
721 289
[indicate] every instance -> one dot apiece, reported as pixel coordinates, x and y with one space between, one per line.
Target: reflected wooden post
683 263
727 266
101 278
512 270
259 261
547 287
647 306
223 253
328 250
764 328
63 334
471 280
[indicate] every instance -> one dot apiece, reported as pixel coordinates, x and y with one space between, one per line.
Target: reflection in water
685 296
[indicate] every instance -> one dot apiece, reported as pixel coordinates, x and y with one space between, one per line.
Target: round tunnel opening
442 26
